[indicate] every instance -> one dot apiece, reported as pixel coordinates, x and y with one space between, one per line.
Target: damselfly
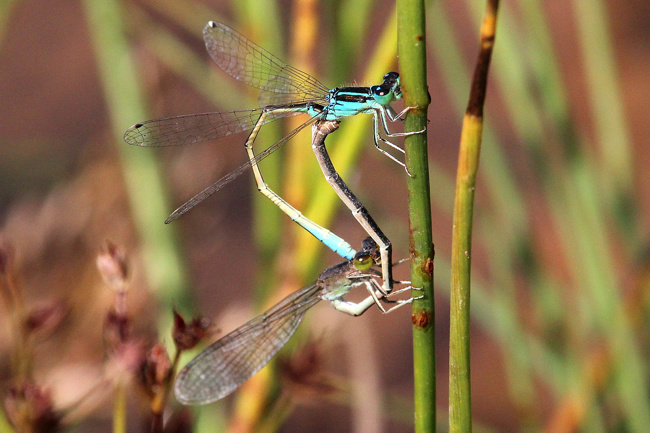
226 364
286 91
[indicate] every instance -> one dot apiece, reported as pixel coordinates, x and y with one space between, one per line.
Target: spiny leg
377 138
375 293
398 116
376 297
387 113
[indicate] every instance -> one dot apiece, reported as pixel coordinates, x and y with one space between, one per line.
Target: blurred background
560 259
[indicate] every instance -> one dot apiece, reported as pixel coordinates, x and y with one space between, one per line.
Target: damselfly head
391 80
391 77
363 261
367 256
383 94
388 90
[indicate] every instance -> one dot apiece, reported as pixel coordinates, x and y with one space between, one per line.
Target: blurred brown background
63 193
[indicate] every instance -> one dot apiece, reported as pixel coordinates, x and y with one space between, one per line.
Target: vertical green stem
460 402
413 70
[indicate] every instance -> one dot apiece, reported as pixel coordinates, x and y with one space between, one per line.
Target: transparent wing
195 128
253 65
229 362
207 192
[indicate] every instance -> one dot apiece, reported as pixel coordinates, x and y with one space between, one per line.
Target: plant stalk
460 402
413 69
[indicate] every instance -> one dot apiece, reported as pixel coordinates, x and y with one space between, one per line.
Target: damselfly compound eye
363 261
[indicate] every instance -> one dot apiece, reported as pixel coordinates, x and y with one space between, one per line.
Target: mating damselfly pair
286 91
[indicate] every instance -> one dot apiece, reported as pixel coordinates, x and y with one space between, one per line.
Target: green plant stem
413 68
460 402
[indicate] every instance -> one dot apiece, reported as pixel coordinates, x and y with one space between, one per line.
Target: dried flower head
155 369
188 335
113 266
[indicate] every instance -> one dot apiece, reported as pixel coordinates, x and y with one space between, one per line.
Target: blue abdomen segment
332 241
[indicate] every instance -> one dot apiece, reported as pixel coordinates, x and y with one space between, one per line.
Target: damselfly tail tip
177 214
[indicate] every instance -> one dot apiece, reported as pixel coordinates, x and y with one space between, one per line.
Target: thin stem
460 403
159 401
119 409
413 69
